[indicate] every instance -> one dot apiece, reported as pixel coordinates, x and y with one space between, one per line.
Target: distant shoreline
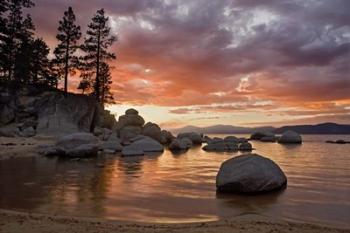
17 222
327 128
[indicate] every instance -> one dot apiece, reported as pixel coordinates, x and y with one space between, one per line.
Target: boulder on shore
250 174
290 137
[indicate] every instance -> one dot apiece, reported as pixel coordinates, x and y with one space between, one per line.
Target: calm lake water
181 187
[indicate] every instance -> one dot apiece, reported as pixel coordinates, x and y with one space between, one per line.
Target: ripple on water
181 187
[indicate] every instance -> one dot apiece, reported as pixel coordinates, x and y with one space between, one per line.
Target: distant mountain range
325 128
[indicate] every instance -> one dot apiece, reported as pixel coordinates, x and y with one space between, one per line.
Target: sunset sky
239 62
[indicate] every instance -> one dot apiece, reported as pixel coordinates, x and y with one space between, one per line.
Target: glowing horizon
236 62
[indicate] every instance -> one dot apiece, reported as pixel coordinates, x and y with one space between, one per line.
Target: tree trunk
66 69
98 67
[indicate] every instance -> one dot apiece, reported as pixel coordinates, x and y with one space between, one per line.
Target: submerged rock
250 174
82 151
221 146
290 137
264 136
268 139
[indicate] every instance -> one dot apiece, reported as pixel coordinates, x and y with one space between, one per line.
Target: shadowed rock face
250 174
51 113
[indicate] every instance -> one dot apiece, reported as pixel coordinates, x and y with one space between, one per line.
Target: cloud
190 54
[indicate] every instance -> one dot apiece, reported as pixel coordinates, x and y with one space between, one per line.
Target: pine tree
68 37
106 82
40 64
96 45
16 31
3 10
23 56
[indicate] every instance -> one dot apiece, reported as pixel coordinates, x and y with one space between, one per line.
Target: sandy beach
16 222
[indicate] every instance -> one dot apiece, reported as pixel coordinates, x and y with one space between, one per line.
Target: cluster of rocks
288 137
130 136
28 113
228 144
132 124
250 174
340 141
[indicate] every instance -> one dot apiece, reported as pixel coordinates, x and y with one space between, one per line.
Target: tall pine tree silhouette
96 44
17 31
40 73
66 62
106 81
3 10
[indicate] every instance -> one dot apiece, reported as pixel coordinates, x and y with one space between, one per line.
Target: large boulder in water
166 137
129 125
142 145
130 131
152 130
250 174
290 137
180 144
196 138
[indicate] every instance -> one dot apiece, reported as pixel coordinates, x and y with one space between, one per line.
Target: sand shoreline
16 222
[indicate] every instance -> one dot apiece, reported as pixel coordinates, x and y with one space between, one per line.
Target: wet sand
16 222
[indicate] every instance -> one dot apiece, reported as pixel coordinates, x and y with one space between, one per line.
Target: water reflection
172 187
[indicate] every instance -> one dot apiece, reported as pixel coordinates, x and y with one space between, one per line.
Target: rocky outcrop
51 113
250 174
290 137
129 125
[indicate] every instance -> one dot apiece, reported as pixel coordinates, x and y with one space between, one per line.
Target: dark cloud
288 51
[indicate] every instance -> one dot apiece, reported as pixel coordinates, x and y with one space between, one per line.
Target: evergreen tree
68 36
96 45
17 30
84 85
3 9
40 64
23 56
106 82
